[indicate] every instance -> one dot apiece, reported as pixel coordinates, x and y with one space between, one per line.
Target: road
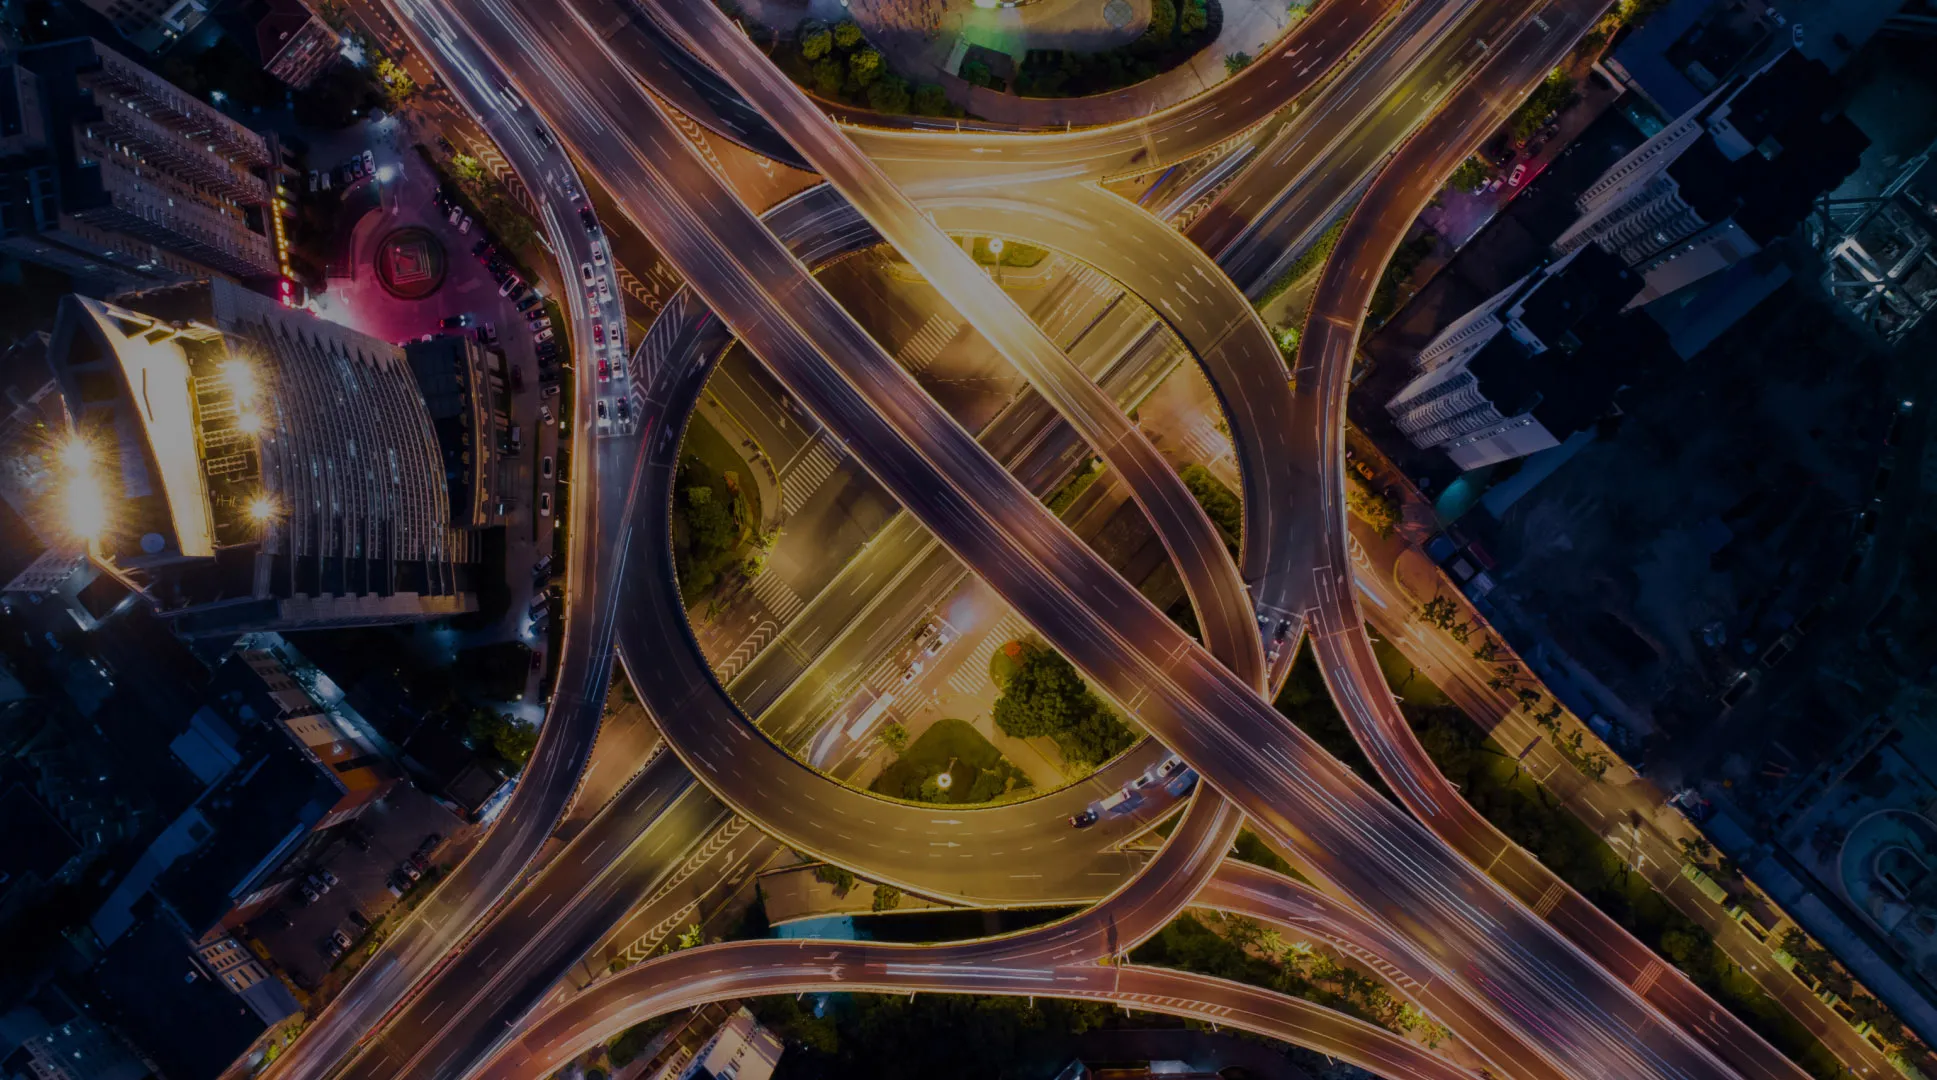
1530 977
607 477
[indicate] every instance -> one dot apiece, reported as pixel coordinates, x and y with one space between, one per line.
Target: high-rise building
296 45
470 409
740 1050
110 173
152 25
1528 368
256 468
1736 172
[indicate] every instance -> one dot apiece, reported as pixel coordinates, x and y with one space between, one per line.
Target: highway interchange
1523 998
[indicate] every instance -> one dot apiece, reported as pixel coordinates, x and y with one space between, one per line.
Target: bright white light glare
249 422
384 173
242 381
85 503
77 455
261 509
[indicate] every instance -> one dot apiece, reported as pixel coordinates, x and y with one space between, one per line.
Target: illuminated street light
262 509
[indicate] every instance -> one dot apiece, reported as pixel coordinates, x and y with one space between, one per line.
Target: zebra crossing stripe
777 596
806 475
928 342
972 677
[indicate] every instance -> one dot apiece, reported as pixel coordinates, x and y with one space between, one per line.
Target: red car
598 333
605 370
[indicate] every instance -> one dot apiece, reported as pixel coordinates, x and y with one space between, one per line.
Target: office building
111 174
57 1040
256 468
152 25
740 1050
1530 367
464 390
296 45
1735 173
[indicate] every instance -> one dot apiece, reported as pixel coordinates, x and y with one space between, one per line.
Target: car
454 215
328 877
1493 185
488 333
914 670
541 602
331 949
605 370
544 504
1181 784
585 273
589 220
625 408
464 226
369 162
605 291
543 567
551 389
938 643
317 883
410 871
511 285
544 414
454 322
598 254
395 886
342 939
1284 628
530 303
545 466
543 135
324 179
431 840
598 332
601 409
542 335
1518 174
1085 818
309 895
1795 35
312 179
482 249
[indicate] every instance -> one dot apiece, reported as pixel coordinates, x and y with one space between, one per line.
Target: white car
585 273
1518 174
598 254
605 291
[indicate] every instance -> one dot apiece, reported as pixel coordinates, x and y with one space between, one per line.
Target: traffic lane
772 304
1345 654
506 967
1137 142
565 739
1253 892
740 969
1210 578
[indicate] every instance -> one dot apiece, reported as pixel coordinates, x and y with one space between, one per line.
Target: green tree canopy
864 66
847 34
815 40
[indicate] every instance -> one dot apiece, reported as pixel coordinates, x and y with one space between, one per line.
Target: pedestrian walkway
928 343
777 596
807 472
972 677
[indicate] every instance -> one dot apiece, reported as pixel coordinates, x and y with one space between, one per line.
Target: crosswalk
972 677
920 351
777 596
1205 442
807 472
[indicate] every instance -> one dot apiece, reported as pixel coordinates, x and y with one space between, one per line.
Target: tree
1440 612
1471 174
889 94
814 38
468 169
1486 651
1236 62
1192 17
1163 22
864 66
829 874
1696 849
1220 503
829 76
930 100
977 73
1045 696
886 898
847 34
893 736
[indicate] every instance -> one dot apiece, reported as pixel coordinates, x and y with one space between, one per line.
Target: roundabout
410 263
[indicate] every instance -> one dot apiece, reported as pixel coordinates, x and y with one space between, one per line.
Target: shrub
864 66
930 100
889 94
829 77
886 898
829 874
815 40
847 34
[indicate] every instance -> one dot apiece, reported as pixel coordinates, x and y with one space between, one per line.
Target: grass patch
1416 689
1220 503
977 770
1015 255
1252 849
1307 261
704 441
1064 497
715 515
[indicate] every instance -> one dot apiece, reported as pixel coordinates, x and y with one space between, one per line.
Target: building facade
1735 173
464 390
152 25
1528 368
262 469
296 45
111 174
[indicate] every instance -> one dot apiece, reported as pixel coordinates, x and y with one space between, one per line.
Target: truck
1109 804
